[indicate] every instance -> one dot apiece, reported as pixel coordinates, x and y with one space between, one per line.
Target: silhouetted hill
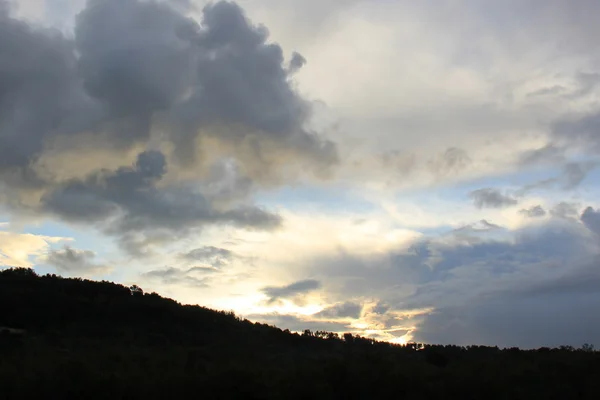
74 338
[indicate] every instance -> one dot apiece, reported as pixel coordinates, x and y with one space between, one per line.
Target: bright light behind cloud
21 250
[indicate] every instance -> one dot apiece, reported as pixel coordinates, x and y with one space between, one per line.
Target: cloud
571 176
23 249
292 290
476 228
390 326
547 91
549 155
528 323
399 162
138 58
579 131
453 160
38 98
444 104
588 81
296 62
244 83
129 200
487 285
533 212
491 198
192 277
226 183
343 310
142 79
79 262
214 256
506 304
381 308
591 219
153 127
575 173
543 301
299 324
565 210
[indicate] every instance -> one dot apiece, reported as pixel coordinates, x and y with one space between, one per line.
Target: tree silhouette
98 340
136 290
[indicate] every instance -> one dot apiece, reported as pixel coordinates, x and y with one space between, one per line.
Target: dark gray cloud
128 200
488 248
139 58
548 306
528 287
565 210
132 192
591 219
243 82
73 261
208 254
40 94
574 173
579 131
587 82
296 62
135 58
527 323
292 290
139 75
534 212
571 176
347 309
5 8
381 308
491 198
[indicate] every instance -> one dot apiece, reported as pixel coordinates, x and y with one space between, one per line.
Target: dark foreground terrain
78 339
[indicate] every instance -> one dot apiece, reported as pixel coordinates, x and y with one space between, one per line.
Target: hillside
73 338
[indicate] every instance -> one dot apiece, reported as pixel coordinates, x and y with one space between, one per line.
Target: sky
407 171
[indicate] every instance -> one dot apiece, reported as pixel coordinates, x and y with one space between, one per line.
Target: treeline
75 338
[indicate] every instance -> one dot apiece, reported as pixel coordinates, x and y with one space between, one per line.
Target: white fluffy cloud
23 249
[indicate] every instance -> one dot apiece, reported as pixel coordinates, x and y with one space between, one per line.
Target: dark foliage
78 339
